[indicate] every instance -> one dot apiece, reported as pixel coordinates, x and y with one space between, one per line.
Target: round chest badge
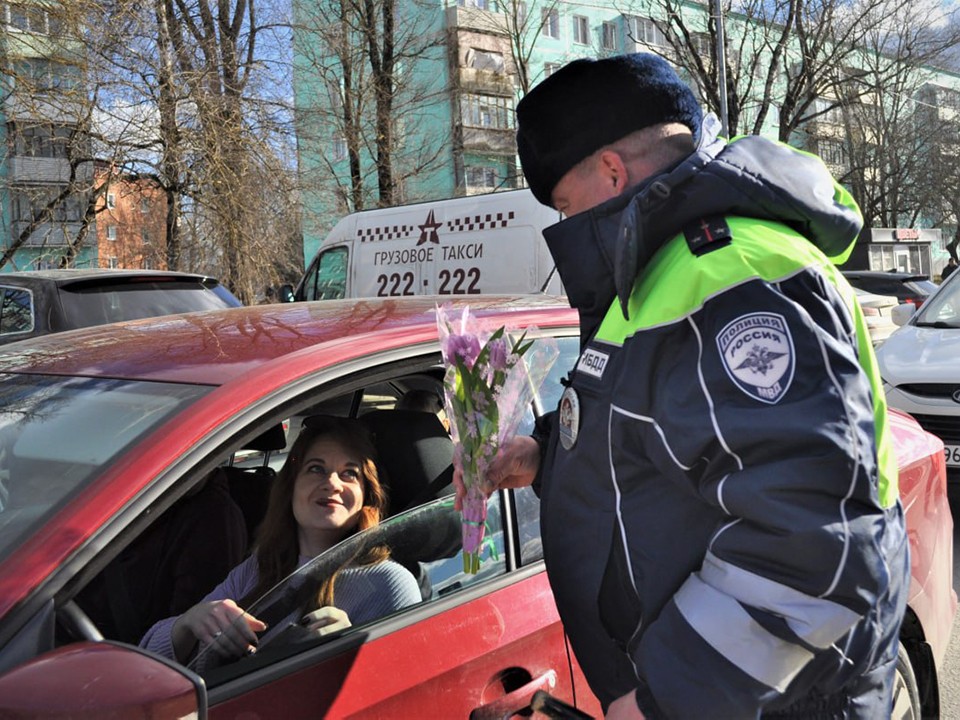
569 418
758 355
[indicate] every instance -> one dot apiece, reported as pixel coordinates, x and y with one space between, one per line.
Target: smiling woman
328 489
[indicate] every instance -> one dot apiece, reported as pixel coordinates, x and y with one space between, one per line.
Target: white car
920 366
877 311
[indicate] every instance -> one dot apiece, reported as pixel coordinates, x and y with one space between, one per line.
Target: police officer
719 506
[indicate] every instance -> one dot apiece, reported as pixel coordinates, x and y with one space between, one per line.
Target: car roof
212 347
91 275
884 275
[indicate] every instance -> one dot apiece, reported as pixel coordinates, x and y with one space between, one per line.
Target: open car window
425 541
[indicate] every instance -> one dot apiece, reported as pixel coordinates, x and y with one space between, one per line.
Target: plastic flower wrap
490 380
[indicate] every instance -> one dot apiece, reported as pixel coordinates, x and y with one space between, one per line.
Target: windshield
58 434
130 301
943 308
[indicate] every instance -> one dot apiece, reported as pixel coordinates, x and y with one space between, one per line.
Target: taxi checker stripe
724 625
816 621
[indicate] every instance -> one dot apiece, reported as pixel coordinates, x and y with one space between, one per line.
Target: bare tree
785 56
201 86
366 85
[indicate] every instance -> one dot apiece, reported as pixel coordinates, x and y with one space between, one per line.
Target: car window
944 307
528 525
98 305
328 278
550 391
16 310
425 541
59 434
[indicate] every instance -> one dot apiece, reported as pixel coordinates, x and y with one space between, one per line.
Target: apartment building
45 171
131 217
488 53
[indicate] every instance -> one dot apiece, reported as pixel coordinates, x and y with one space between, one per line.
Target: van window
16 310
328 281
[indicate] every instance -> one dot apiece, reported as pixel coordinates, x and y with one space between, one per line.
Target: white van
468 245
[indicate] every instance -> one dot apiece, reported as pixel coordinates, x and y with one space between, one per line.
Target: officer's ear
612 172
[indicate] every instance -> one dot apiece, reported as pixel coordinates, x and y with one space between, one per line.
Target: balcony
471 18
489 141
49 234
485 82
30 170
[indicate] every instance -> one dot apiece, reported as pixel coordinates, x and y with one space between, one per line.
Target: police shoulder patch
758 355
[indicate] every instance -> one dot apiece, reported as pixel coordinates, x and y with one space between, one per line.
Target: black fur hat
591 103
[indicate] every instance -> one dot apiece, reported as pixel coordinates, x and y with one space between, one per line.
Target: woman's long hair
277 546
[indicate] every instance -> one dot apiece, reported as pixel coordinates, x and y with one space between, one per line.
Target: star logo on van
428 231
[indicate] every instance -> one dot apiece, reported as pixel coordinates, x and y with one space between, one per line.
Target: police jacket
718 497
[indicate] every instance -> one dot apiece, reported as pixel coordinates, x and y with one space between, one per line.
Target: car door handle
513 702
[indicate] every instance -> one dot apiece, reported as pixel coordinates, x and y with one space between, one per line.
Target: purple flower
466 347
498 354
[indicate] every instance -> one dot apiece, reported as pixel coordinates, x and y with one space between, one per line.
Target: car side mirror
285 293
101 679
901 314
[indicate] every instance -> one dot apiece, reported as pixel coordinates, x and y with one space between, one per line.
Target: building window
551 22
608 36
26 16
481 178
645 30
111 201
44 204
144 205
581 30
702 43
832 152
112 263
947 98
480 4
486 111
40 140
339 149
111 232
550 68
826 111
485 60
38 74
145 236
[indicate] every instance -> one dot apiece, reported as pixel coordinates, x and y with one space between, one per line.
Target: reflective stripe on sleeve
816 621
724 625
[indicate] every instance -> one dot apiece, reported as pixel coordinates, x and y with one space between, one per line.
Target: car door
478 646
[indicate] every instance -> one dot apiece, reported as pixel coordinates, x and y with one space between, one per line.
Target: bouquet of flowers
490 381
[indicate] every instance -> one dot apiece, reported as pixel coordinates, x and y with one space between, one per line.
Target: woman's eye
350 474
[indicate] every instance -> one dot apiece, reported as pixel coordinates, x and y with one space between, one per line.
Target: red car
109 434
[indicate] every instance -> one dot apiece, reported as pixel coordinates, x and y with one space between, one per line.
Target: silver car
920 366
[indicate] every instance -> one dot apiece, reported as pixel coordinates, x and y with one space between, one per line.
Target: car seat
415 454
250 487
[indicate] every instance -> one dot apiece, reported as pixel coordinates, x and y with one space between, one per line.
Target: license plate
951 454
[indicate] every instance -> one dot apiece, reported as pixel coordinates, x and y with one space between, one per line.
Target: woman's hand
220 623
515 465
326 620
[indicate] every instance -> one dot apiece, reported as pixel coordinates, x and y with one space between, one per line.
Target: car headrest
271 440
414 451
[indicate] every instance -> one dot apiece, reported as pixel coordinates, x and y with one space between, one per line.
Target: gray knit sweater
364 593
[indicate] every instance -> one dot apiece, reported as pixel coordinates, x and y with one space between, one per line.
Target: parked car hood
920 354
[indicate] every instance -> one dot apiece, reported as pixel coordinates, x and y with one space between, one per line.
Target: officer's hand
624 708
515 466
